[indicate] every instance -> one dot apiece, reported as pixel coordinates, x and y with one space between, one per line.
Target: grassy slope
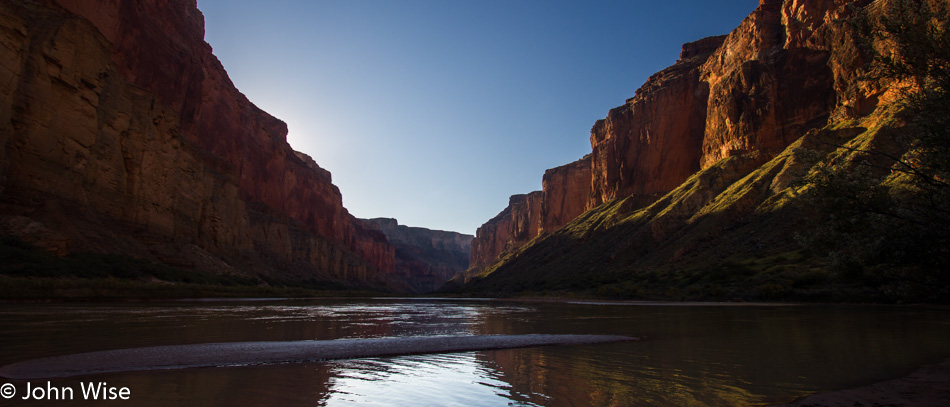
728 232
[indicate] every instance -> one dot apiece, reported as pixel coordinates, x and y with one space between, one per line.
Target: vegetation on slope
886 201
856 211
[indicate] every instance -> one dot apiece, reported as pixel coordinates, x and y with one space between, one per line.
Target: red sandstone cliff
766 88
653 143
649 145
787 68
425 259
790 97
121 132
516 225
564 192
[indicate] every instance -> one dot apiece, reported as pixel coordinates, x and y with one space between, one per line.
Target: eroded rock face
490 239
119 118
766 91
516 225
563 197
789 67
649 145
653 142
564 193
425 258
525 218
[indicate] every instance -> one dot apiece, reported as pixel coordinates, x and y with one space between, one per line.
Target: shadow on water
691 355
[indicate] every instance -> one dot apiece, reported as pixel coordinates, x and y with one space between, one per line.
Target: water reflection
690 356
550 377
418 381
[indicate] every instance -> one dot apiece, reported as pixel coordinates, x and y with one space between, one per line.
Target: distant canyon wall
425 258
120 131
563 197
787 68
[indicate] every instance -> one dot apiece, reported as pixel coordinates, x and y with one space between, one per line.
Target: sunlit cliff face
788 68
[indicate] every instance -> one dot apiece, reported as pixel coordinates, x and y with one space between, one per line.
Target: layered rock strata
653 142
765 87
425 259
514 226
788 68
121 132
647 146
564 192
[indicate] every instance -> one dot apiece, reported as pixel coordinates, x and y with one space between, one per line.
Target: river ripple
690 355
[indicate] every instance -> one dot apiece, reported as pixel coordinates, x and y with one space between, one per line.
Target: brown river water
687 355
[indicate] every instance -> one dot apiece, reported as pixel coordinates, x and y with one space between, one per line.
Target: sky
435 112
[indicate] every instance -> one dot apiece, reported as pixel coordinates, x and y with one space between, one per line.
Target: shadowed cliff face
564 193
425 259
790 67
120 123
516 225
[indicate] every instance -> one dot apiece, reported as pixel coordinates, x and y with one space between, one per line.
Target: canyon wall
793 102
514 226
765 88
564 192
653 143
425 259
121 132
788 67
649 145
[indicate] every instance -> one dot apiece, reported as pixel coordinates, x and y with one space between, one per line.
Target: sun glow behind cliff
435 112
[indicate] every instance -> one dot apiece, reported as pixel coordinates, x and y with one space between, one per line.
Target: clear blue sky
434 112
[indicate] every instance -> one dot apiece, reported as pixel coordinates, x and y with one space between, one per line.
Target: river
687 355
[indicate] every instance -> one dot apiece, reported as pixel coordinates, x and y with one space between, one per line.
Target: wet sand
928 386
255 353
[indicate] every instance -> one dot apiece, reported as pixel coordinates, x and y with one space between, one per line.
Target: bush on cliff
887 207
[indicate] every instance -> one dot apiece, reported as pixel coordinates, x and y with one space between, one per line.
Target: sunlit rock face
789 67
425 259
121 132
766 88
653 142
